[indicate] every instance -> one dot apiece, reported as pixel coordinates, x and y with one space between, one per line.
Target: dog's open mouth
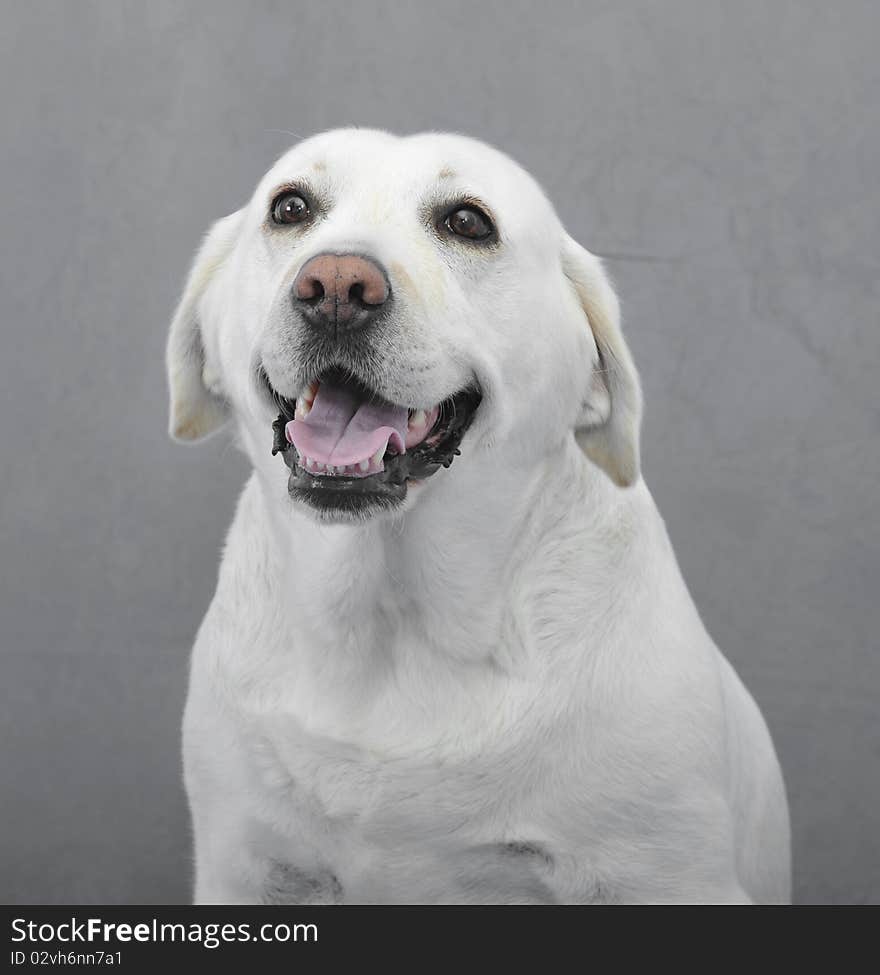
346 446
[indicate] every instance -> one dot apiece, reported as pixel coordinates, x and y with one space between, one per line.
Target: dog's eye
470 223
290 207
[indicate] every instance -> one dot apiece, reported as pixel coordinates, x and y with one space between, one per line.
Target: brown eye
290 208
470 223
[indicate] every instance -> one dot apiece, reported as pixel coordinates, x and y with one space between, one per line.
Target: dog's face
389 302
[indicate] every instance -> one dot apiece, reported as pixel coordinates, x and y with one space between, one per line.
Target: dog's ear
607 429
195 410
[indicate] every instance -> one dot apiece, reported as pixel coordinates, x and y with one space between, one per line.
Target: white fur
503 693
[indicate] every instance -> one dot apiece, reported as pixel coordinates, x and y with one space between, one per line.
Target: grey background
727 154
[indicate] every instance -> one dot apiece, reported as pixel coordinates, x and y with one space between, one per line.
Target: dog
451 657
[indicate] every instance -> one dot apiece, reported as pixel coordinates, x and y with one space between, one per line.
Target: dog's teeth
377 457
418 419
303 408
311 392
364 465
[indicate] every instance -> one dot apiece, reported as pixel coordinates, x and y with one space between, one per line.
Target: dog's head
392 302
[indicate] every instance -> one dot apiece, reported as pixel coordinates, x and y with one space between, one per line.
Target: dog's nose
342 292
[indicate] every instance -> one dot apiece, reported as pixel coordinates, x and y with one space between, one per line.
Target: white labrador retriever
451 657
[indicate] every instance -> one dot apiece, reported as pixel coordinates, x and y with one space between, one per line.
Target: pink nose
340 291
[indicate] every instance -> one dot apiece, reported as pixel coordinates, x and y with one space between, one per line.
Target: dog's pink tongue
340 429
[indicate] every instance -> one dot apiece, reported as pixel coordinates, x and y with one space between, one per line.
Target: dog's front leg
228 866
226 871
239 857
722 893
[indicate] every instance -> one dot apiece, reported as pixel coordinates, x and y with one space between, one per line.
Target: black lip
387 489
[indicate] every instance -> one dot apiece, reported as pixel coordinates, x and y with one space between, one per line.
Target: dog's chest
394 797
358 826
391 761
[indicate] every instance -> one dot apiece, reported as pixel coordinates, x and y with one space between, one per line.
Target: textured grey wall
730 152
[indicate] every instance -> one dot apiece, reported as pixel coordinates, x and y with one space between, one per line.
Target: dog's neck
443 572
